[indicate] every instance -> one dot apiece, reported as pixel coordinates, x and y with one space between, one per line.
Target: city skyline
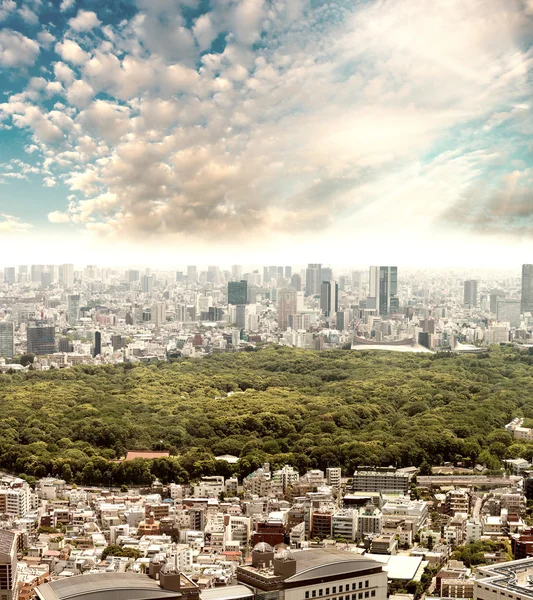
132 131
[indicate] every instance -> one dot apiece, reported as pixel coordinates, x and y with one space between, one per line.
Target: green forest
305 408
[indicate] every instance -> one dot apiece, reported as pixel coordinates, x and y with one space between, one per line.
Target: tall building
192 275
313 279
470 292
296 282
97 350
286 307
9 275
73 314
66 276
237 292
327 274
236 272
527 288
288 272
7 339
329 297
41 340
133 275
240 316
8 565
36 273
147 283
342 320
508 311
383 289
159 313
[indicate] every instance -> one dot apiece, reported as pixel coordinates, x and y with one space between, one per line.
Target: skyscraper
41 340
313 279
326 274
97 343
9 275
527 288
383 289
508 311
36 273
133 275
66 276
192 276
329 297
288 272
159 313
73 314
286 307
7 339
147 283
237 292
296 282
470 292
8 564
236 272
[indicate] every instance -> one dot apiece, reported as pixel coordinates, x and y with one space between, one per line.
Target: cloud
45 38
28 15
11 224
80 93
85 20
16 50
71 52
58 217
66 5
7 7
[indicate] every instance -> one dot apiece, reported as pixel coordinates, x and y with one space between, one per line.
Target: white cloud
58 217
7 7
66 5
49 182
85 20
16 50
71 52
11 224
46 39
28 15
80 94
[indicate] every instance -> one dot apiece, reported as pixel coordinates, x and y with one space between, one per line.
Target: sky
291 131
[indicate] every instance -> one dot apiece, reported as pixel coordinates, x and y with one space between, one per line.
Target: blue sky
148 129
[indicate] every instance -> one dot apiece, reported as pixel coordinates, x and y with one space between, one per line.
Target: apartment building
387 480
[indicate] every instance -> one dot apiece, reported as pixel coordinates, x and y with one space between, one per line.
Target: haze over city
133 132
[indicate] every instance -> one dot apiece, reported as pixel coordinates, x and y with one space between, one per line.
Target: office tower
326 274
240 316
288 272
313 279
299 321
159 313
7 339
265 276
118 342
527 289
9 275
342 320
286 307
280 273
73 313
494 297
97 350
133 275
66 276
508 311
41 339
296 282
192 275
23 274
424 339
470 292
179 276
147 284
273 273
65 345
36 273
46 279
237 292
236 272
383 289
8 564
329 297
215 313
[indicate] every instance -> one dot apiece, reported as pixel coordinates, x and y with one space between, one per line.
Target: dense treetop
310 409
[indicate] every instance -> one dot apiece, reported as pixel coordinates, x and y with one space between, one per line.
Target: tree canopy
310 409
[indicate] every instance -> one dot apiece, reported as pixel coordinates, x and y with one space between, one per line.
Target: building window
366 583
320 592
353 586
373 593
354 596
340 588
334 589
360 595
367 594
327 591
360 584
314 594
307 595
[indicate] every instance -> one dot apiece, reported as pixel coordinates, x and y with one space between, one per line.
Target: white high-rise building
7 339
159 313
66 276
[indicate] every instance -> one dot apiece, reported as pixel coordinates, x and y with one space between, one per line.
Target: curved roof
262 547
318 563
